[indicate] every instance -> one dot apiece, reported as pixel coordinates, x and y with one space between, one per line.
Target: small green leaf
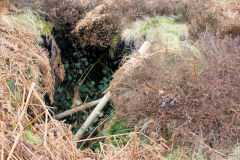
80 71
105 79
78 102
66 66
11 82
93 83
78 65
69 104
105 72
69 78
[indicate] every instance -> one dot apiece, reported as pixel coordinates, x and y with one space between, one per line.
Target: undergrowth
87 76
191 97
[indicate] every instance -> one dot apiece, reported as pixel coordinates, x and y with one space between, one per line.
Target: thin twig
123 148
116 135
195 71
90 69
46 127
96 129
30 123
4 82
43 104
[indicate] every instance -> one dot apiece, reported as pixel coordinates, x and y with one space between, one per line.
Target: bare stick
39 116
92 116
43 104
77 109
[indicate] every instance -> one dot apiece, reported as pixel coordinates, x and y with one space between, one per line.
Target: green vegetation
78 69
92 78
165 32
114 127
114 43
31 138
180 154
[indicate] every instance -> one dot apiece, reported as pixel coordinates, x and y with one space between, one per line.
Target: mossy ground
162 31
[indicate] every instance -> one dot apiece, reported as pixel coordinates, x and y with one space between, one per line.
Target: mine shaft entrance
88 73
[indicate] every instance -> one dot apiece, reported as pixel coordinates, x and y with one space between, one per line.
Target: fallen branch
77 109
92 116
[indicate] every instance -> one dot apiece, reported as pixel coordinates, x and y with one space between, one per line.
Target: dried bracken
55 60
213 15
22 59
95 29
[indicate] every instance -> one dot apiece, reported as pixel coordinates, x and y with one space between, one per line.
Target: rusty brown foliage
215 16
162 86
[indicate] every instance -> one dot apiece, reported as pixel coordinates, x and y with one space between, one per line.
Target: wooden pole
77 109
92 116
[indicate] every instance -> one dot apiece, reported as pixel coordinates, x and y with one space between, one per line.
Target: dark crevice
90 69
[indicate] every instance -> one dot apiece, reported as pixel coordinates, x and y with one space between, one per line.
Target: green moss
58 27
31 138
114 42
118 127
111 53
165 32
114 127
